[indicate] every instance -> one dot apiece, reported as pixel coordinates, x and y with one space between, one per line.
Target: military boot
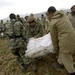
23 67
72 73
58 66
21 63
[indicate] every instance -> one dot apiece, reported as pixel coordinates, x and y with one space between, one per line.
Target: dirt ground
9 65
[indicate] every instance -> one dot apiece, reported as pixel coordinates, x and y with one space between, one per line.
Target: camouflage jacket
2 28
14 31
35 31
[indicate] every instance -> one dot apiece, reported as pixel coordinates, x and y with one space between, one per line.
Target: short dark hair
72 7
42 14
12 16
18 16
51 9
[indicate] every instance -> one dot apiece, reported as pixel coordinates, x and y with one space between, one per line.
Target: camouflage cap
31 14
31 18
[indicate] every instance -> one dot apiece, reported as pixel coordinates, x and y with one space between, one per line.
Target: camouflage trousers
20 56
19 53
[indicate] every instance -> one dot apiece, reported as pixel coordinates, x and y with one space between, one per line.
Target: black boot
58 66
23 67
72 73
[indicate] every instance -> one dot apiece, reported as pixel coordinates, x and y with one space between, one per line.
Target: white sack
39 46
2 34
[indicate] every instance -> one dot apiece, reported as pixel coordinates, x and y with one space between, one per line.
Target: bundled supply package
39 46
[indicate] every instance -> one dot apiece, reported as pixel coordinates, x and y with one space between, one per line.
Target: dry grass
9 66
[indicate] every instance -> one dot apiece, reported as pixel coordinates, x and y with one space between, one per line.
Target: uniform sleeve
25 34
40 33
54 36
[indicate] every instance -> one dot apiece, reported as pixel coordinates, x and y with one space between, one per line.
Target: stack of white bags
39 46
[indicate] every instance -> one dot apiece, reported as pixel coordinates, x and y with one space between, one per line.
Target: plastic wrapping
39 46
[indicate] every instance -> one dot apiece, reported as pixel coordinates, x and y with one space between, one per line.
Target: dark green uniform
35 31
17 40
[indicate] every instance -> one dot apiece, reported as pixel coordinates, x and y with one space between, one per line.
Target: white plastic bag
39 46
2 34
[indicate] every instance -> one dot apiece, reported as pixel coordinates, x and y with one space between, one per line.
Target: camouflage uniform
35 28
17 40
2 28
6 25
45 24
35 31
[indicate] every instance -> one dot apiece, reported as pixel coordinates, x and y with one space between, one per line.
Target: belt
12 37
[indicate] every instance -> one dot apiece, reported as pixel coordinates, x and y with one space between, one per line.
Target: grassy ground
9 65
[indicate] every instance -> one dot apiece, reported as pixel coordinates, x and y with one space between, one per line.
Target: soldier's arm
40 32
54 37
25 34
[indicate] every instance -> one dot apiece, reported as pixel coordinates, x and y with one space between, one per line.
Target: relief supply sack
39 46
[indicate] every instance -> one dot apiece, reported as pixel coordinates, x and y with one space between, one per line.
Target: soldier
32 14
46 26
17 39
2 28
19 19
71 16
67 13
38 20
63 37
5 24
26 18
35 28
44 23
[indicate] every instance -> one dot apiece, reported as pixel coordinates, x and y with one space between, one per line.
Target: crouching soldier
17 43
2 29
35 28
